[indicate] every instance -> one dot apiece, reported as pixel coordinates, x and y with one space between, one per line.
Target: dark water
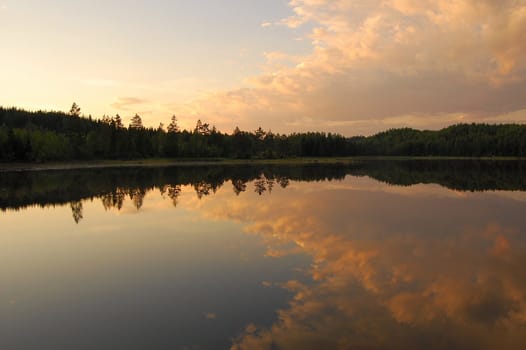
371 255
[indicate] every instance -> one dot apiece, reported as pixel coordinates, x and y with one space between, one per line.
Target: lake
364 255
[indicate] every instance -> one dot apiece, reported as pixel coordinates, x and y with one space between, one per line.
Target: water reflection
397 271
438 264
23 189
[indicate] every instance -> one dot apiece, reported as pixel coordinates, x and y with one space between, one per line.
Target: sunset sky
347 66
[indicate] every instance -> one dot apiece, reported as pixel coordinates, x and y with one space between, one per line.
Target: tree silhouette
270 185
173 127
136 122
283 182
260 133
137 196
118 122
76 210
198 126
174 191
202 128
114 199
74 110
239 186
106 119
260 185
203 188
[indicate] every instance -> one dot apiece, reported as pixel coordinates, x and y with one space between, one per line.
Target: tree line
29 136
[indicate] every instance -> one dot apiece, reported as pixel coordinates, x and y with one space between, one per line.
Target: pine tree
260 133
75 110
118 122
198 127
106 119
173 127
136 122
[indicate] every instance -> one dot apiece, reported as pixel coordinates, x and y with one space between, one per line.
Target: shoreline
101 164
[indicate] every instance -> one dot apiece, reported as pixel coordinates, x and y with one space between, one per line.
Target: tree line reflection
114 186
116 198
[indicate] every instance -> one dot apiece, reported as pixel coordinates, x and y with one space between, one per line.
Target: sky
354 67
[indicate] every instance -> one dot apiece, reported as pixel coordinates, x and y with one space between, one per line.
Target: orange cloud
380 64
126 103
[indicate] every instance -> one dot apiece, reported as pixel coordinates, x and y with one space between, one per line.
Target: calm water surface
373 255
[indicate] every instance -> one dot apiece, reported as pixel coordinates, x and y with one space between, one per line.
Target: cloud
416 61
128 103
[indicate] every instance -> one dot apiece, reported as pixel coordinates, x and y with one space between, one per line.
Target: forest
38 136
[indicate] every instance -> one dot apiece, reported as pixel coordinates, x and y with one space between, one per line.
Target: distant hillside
471 140
43 136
